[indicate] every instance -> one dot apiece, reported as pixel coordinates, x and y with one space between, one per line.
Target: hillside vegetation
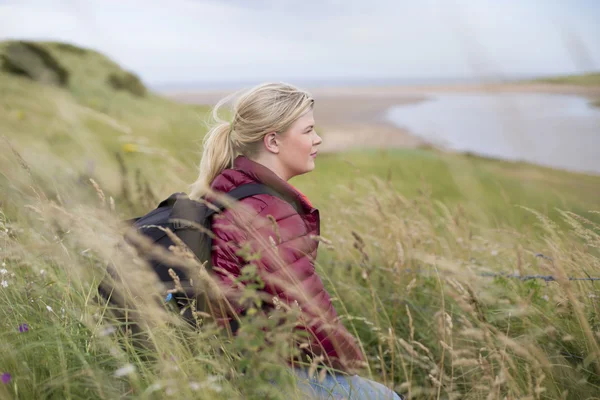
421 251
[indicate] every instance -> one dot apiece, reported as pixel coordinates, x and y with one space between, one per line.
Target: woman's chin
307 169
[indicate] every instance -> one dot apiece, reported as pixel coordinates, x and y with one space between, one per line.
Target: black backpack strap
249 190
168 202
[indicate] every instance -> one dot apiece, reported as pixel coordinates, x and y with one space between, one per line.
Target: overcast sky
236 40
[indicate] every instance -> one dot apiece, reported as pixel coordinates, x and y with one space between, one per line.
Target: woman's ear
271 143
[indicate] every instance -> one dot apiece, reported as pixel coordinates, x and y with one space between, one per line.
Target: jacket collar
260 173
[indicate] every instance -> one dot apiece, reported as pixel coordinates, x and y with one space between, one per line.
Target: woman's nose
318 139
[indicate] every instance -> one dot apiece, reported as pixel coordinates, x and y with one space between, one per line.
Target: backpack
176 212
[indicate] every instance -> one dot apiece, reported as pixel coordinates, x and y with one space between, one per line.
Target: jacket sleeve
286 264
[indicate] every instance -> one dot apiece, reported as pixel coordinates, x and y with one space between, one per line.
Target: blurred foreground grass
407 235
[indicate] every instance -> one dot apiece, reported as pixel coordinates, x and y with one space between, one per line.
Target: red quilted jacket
287 256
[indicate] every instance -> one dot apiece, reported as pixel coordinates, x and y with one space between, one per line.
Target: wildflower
169 297
130 148
49 308
3 271
494 253
42 272
172 368
210 383
23 328
5 377
125 370
4 283
154 387
109 330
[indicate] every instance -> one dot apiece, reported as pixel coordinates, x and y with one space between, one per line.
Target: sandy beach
354 117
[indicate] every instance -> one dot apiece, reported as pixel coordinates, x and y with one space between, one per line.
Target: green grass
591 79
588 79
493 188
79 130
407 235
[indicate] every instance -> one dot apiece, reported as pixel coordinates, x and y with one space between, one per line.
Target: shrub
34 62
127 81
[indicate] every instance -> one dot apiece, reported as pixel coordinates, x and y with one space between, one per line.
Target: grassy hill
408 237
79 129
589 79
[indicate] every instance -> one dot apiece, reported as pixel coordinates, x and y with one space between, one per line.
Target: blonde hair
269 107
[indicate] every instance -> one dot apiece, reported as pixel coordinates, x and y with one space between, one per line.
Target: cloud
42 20
194 40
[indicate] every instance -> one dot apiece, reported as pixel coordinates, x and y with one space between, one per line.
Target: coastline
355 117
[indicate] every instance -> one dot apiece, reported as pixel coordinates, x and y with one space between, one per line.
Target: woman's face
298 146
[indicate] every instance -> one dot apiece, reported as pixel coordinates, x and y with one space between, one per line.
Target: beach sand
354 117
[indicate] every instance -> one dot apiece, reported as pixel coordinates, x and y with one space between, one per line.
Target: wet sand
354 117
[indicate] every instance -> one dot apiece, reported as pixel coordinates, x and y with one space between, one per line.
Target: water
323 82
560 131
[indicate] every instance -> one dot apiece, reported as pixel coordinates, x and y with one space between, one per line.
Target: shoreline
354 117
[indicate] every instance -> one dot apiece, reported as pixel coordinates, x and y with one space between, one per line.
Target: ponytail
218 152
217 155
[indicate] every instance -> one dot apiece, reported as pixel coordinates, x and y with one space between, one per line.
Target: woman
271 139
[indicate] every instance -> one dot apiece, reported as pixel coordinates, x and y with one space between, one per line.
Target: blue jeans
338 386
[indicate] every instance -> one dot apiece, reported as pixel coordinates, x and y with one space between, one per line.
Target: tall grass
406 275
409 239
